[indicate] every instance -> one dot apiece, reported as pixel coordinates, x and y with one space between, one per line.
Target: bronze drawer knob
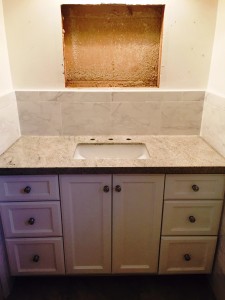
192 219
36 258
195 188
187 257
31 221
27 190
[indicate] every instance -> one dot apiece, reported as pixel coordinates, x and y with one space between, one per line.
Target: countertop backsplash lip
54 155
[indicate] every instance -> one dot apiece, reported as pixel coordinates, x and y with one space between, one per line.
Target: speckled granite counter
54 155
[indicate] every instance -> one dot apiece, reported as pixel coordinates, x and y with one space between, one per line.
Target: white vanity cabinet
191 217
111 224
116 216
31 219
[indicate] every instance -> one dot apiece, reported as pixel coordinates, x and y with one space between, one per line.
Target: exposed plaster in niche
112 45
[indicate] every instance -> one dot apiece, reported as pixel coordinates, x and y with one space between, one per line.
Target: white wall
5 76
213 120
9 121
36 54
217 71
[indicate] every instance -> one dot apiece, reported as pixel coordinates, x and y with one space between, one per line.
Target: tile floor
112 288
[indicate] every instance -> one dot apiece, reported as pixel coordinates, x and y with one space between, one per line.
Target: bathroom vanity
107 216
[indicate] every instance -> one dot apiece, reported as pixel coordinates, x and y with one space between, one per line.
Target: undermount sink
111 151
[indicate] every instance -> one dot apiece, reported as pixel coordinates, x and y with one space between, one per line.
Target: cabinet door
86 213
137 210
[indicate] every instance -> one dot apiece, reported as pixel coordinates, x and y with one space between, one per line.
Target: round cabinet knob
195 188
31 221
106 189
27 190
36 258
118 188
187 257
192 219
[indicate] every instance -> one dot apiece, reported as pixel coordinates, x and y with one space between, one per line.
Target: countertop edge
114 170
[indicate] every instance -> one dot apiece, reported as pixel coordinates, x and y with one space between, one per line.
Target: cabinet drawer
13 188
180 255
194 187
31 219
35 256
191 217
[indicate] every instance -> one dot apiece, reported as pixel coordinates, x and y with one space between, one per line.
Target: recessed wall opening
110 45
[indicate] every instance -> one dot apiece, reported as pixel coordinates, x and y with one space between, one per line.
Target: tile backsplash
99 113
9 121
213 122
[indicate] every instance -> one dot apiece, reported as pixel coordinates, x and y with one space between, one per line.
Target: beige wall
9 121
213 121
5 76
217 71
35 43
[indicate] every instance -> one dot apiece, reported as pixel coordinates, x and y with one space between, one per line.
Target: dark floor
113 288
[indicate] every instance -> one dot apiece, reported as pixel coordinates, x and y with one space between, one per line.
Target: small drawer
23 188
194 187
191 217
180 255
36 256
31 219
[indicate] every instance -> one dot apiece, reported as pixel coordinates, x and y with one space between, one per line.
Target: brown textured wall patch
112 45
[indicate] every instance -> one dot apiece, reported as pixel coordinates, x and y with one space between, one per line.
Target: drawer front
23 188
191 217
35 256
194 187
31 219
180 255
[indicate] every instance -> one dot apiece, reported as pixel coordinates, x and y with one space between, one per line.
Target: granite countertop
54 155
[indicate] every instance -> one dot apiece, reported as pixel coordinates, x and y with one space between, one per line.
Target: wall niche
110 45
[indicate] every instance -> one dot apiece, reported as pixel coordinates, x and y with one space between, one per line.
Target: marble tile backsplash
115 113
213 122
9 121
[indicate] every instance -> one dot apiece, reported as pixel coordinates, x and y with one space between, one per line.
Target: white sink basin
111 151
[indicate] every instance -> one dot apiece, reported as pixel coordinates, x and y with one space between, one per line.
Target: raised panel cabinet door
137 210
191 186
86 214
29 187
